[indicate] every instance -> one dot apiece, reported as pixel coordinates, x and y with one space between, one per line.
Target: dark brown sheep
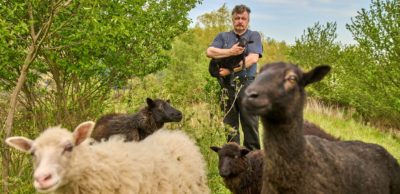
241 169
304 164
136 127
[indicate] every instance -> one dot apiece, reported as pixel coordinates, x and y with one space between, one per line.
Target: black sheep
294 163
240 168
136 127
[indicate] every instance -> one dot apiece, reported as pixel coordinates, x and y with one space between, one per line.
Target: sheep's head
243 42
232 159
278 91
51 153
163 111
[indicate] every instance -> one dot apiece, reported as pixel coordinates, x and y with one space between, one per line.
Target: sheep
241 169
66 163
136 127
294 163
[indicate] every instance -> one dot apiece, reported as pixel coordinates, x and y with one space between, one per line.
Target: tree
315 47
377 31
76 51
34 41
210 24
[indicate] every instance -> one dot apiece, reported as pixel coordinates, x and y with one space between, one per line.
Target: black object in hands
228 62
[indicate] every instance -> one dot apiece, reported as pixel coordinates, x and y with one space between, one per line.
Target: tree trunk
10 117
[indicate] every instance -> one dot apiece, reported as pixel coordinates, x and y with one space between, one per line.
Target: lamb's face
232 159
163 111
52 153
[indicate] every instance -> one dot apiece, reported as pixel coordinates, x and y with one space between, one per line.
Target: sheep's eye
33 153
68 148
292 79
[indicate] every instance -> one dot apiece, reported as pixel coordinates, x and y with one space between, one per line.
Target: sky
286 20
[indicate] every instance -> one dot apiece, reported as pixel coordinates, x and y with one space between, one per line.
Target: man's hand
224 72
236 50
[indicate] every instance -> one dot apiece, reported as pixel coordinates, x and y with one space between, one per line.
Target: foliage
364 76
377 32
92 47
218 20
273 51
315 47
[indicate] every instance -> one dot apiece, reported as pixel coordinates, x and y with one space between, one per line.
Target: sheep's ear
150 102
215 148
316 74
244 151
20 143
82 132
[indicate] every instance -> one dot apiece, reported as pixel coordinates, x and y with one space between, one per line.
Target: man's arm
250 59
217 53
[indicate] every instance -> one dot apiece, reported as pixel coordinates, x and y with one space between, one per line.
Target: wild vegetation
96 60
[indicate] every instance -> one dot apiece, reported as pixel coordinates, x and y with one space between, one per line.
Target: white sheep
64 162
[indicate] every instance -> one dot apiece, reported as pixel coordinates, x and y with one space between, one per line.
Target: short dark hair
240 9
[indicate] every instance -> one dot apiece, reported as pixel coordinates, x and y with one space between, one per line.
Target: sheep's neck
284 138
284 153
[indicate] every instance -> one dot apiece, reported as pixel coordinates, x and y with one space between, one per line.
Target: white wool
167 162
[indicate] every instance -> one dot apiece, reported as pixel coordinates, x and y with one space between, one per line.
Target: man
225 45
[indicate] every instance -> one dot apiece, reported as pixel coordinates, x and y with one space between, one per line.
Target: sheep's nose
178 114
224 173
251 94
43 178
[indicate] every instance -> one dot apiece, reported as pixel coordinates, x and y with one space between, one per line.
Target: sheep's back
349 166
185 154
119 167
115 124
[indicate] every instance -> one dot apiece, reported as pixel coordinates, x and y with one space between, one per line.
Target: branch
30 12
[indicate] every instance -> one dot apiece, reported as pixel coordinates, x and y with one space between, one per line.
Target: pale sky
286 20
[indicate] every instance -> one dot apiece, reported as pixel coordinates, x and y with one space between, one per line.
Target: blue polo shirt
226 40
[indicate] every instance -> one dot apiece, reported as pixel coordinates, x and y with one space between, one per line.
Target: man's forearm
218 53
251 59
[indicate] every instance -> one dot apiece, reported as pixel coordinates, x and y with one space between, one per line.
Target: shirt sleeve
218 41
256 46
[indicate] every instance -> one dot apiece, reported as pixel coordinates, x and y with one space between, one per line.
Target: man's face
240 21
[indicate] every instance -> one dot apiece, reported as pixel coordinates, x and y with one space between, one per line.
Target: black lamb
229 63
136 127
240 168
